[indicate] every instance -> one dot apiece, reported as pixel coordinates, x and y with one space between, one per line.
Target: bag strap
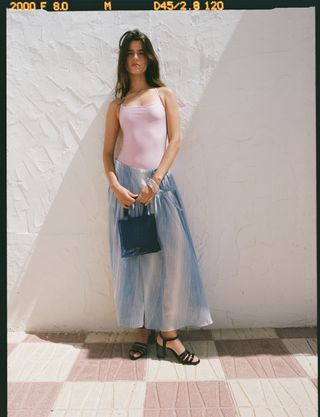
125 213
145 210
144 213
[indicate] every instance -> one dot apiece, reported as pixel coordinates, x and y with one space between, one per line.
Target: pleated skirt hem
182 325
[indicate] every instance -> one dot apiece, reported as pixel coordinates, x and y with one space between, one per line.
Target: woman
161 290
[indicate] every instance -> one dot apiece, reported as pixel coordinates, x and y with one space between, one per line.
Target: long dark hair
152 73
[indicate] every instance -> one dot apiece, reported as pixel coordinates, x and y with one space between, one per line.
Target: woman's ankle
169 333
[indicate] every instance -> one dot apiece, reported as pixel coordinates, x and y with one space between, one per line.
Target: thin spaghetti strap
157 90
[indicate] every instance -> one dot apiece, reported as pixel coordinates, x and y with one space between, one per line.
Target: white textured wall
245 84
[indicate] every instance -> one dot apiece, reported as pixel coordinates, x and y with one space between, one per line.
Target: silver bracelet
153 185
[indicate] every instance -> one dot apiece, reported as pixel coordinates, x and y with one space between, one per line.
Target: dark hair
152 73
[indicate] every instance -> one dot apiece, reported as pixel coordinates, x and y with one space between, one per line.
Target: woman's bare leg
176 345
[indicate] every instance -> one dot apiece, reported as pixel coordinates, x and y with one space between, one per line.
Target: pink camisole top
144 134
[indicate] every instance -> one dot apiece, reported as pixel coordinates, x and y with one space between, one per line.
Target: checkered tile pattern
261 372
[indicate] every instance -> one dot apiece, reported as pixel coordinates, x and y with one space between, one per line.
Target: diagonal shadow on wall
237 179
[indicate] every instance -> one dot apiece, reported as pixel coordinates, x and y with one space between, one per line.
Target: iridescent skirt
161 290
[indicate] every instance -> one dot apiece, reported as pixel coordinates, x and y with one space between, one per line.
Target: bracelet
153 185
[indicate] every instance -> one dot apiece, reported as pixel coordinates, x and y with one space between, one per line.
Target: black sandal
142 348
185 357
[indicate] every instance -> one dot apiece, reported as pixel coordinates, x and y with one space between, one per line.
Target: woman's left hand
146 195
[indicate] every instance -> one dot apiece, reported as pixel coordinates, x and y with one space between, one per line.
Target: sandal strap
151 337
167 339
192 357
183 354
140 344
139 347
186 356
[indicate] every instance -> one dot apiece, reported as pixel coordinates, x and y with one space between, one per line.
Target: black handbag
138 235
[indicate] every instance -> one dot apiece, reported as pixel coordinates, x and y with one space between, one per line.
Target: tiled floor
261 372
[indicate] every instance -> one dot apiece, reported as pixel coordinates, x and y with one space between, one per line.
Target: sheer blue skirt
161 290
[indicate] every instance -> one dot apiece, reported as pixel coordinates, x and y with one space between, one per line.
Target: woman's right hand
125 197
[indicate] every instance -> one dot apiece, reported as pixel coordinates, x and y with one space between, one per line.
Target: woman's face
137 62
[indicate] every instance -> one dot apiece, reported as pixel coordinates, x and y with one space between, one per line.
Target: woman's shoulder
114 106
166 91
115 102
167 94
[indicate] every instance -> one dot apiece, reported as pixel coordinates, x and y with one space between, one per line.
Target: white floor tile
42 361
119 398
287 397
303 350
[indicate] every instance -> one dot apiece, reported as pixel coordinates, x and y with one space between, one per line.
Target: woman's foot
176 344
142 336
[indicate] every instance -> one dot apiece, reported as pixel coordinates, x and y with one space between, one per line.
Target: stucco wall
245 85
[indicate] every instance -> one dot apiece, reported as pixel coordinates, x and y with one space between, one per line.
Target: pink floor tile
56 337
34 399
261 358
210 398
315 381
286 332
106 362
10 347
28 413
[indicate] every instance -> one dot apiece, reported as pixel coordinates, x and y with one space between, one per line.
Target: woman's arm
112 126
173 129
